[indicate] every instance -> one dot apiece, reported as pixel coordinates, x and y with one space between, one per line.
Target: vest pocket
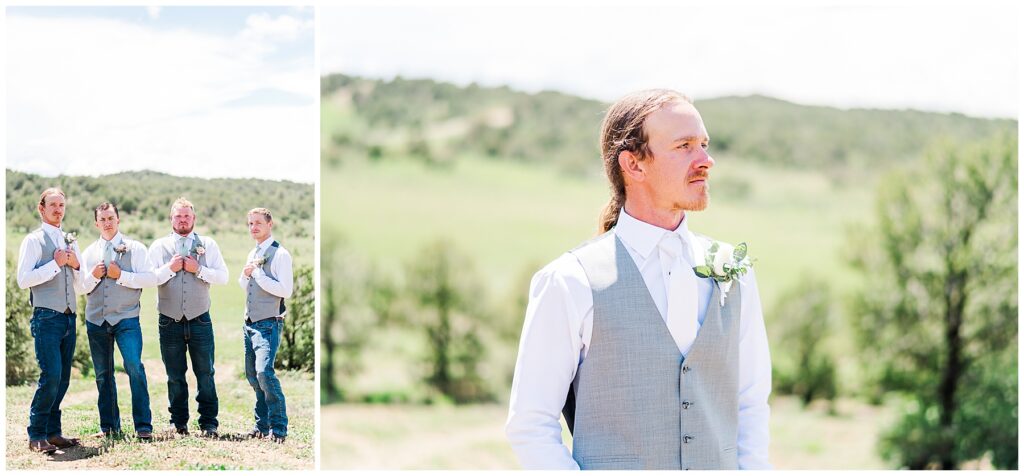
612 462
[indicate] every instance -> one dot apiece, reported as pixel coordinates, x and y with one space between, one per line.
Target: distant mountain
437 121
144 200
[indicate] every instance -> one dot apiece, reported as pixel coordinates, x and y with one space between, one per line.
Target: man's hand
114 271
177 262
73 260
191 265
247 270
61 257
99 270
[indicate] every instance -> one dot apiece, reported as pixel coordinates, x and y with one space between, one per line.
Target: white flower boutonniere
262 260
724 264
70 237
200 250
120 250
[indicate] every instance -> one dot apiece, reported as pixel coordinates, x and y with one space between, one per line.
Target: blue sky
198 91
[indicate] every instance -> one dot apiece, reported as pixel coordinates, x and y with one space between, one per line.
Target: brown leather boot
61 442
41 446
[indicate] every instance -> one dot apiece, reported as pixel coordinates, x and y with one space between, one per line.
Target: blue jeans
127 334
261 341
54 335
196 337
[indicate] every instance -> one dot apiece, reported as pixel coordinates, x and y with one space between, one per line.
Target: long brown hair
622 130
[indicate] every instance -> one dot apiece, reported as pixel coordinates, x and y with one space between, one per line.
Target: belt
277 318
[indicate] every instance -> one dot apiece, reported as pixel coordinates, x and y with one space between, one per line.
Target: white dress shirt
141 275
280 266
215 271
556 337
32 249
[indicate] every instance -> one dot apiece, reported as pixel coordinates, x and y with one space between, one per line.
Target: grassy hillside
438 121
144 199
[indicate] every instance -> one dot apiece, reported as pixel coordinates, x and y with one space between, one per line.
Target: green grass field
236 397
511 217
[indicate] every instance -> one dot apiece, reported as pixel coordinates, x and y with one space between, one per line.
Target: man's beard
183 231
698 204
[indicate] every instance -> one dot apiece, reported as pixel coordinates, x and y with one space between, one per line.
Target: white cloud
94 96
153 11
263 27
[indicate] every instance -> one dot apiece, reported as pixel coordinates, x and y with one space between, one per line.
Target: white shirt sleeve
28 255
549 355
89 259
281 267
216 270
142 275
243 280
755 380
161 269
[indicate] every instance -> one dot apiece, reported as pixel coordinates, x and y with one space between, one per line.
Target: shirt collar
265 244
116 240
52 229
175 236
644 237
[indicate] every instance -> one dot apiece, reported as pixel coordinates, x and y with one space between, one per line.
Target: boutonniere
121 249
200 250
725 264
262 260
70 237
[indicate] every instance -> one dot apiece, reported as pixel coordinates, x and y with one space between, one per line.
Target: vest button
687 438
686 404
686 369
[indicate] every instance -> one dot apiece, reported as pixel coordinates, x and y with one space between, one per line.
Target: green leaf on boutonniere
739 252
703 271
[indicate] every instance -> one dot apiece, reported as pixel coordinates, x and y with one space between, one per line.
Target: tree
447 292
21 367
937 320
804 365
350 293
296 352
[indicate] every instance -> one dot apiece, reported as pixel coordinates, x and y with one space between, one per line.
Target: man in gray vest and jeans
651 347
48 265
118 269
267 281
186 265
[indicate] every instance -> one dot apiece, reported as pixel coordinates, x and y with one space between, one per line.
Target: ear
632 166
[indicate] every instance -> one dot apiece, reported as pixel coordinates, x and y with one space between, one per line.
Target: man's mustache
698 176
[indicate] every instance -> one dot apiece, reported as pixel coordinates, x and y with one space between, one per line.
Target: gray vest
259 304
184 295
110 301
58 293
637 403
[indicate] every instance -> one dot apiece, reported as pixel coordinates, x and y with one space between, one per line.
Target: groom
653 366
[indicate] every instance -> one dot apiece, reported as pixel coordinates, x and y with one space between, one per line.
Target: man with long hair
647 338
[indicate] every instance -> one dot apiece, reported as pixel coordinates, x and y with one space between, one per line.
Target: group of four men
112 272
